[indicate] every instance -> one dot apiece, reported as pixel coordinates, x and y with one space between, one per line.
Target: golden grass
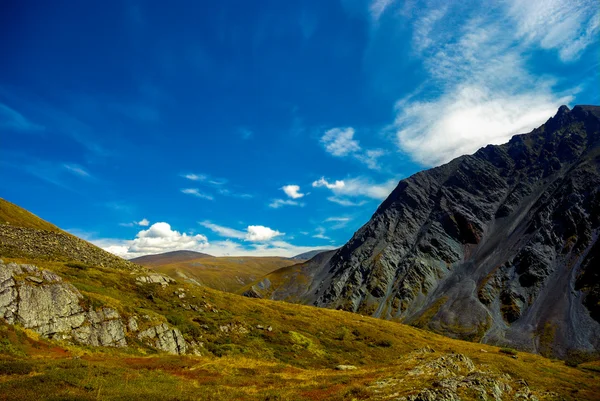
19 217
224 273
294 361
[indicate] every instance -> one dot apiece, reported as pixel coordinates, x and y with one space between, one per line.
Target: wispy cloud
277 203
223 231
340 142
338 222
359 187
196 192
13 120
142 223
378 7
76 170
345 202
320 233
480 88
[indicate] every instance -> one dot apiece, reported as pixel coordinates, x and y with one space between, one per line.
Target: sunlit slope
224 273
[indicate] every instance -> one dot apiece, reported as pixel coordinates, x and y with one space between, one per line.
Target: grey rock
51 308
345 367
164 338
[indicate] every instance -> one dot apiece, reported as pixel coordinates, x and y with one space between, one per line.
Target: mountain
500 246
168 257
308 255
110 329
226 273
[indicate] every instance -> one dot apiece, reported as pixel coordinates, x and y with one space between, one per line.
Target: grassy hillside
253 349
18 217
224 273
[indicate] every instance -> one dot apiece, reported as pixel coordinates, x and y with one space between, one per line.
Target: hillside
75 331
24 235
168 258
11 214
509 234
223 273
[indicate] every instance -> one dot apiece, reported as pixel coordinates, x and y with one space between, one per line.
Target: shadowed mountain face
500 246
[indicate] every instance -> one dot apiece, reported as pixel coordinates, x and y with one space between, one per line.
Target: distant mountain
309 255
168 258
500 246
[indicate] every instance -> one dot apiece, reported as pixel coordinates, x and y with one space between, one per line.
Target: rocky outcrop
164 338
455 377
499 246
39 300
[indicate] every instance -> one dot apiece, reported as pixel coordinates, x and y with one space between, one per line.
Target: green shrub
15 367
508 351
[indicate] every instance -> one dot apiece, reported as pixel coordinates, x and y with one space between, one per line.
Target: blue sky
265 127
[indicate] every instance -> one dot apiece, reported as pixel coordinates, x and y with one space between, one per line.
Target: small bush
15 367
508 351
79 266
383 343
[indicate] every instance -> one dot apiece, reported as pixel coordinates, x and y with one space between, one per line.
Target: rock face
499 246
164 338
41 301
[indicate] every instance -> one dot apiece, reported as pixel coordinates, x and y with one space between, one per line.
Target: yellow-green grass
224 273
294 361
19 217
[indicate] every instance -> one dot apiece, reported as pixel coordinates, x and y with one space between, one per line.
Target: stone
345 367
34 279
164 338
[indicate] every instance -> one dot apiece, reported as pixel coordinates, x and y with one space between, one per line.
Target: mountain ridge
491 233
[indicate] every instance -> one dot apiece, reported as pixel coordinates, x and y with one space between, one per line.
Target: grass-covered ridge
225 273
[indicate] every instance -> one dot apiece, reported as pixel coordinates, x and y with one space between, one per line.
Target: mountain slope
97 331
226 273
24 235
168 258
508 235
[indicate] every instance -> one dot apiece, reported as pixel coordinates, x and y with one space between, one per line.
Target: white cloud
277 203
483 92
292 191
224 231
252 233
158 238
143 222
340 142
162 238
261 233
76 170
196 192
322 182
